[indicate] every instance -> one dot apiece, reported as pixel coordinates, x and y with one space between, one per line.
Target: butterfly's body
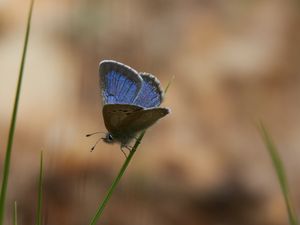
123 139
130 101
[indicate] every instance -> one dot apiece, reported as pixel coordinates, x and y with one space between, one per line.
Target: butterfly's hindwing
115 115
120 84
151 94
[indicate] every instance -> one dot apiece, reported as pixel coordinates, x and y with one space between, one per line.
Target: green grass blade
40 194
169 83
15 221
117 180
121 172
13 121
279 169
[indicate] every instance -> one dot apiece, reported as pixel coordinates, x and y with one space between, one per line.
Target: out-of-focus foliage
234 62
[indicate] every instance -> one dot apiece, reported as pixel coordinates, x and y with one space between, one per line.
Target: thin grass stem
117 180
40 193
169 83
280 172
10 141
15 219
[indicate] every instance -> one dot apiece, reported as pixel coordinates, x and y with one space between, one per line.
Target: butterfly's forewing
151 94
120 84
115 116
142 119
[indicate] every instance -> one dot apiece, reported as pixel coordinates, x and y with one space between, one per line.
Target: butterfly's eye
108 138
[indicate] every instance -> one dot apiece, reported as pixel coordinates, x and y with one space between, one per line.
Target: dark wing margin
120 84
151 94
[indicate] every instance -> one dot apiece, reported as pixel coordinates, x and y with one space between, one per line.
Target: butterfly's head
108 138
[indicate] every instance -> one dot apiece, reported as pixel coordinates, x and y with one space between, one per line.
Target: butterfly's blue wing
151 94
120 84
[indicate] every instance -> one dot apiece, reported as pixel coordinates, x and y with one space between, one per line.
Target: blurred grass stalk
10 141
122 171
40 194
279 169
15 219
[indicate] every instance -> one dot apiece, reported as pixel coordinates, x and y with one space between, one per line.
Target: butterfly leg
135 138
129 147
123 151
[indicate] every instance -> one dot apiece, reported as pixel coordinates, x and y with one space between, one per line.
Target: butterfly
131 101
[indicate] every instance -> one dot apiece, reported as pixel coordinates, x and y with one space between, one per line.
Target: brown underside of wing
129 119
115 114
143 119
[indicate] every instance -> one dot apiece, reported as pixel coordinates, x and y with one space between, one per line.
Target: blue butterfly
131 101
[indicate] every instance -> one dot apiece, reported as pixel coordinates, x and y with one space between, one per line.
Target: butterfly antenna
88 135
92 148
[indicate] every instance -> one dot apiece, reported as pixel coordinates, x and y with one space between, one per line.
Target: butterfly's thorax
123 139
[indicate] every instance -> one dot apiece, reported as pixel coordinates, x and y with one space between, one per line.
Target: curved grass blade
40 194
13 120
280 172
121 172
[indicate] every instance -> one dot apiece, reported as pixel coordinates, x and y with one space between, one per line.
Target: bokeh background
234 62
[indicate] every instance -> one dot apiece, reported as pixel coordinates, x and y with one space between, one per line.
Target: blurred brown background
234 62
